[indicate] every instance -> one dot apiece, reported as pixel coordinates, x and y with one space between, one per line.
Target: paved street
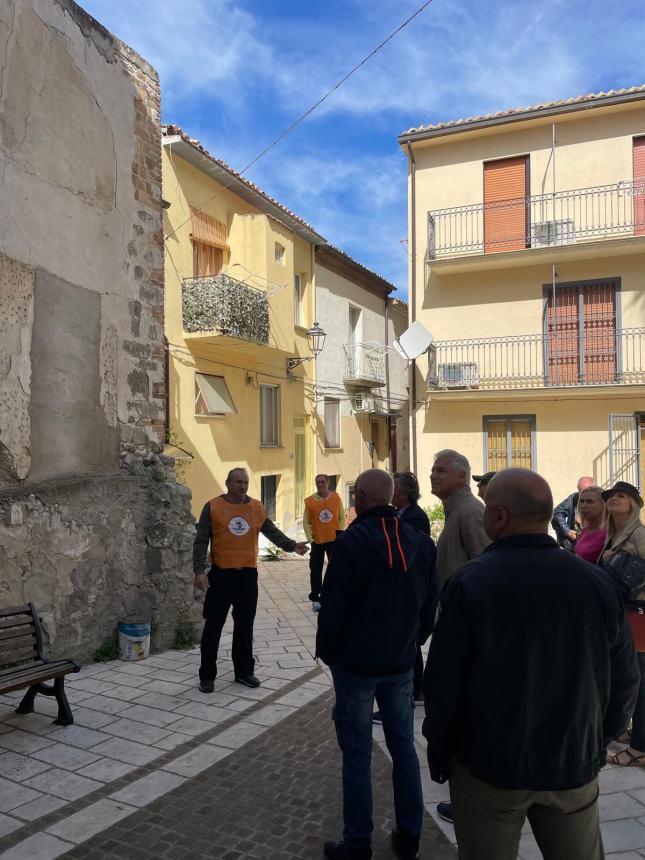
152 767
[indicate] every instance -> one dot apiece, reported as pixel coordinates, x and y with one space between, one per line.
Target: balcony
566 218
364 365
222 305
538 361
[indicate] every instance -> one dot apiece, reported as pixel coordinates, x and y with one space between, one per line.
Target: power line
309 110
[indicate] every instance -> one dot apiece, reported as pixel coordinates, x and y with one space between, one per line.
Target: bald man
564 515
531 672
378 600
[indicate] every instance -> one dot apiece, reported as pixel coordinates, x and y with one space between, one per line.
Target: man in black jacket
377 601
531 672
564 515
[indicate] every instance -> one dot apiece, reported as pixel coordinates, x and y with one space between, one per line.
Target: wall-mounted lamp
316 340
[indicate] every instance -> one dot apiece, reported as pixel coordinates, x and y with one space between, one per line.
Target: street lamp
316 340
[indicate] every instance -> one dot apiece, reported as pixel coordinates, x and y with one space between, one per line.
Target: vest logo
325 515
238 526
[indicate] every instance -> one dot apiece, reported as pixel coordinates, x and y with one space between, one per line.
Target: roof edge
522 115
332 258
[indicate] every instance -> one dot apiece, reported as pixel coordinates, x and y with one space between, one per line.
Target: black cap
483 479
624 487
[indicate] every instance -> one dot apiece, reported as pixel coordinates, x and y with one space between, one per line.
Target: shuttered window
331 422
505 204
581 333
208 236
509 441
269 416
639 186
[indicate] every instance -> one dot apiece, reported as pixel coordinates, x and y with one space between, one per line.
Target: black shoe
444 811
315 598
377 718
340 851
405 847
248 681
207 686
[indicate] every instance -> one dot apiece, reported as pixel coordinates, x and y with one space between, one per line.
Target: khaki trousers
489 820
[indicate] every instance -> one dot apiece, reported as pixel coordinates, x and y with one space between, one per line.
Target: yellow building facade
240 296
527 240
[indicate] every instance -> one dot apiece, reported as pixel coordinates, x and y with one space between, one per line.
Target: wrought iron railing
223 304
538 221
365 363
538 361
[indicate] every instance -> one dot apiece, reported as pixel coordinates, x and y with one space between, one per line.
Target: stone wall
91 525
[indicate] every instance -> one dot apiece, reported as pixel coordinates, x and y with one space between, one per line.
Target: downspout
166 373
412 386
387 384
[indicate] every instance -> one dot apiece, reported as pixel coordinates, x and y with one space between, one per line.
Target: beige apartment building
527 249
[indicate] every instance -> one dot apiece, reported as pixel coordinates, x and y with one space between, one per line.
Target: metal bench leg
64 717
27 704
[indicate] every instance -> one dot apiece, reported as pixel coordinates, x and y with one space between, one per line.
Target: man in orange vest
323 518
231 524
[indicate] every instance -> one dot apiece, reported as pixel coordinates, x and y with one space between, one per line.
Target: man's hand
201 581
301 548
572 535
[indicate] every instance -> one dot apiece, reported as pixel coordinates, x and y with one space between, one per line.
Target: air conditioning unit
547 233
464 375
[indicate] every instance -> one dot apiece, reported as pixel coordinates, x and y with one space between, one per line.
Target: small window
269 416
207 260
509 441
280 254
333 482
269 491
298 300
331 421
351 495
212 396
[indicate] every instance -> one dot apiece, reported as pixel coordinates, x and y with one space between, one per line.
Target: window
209 240
580 329
298 300
207 260
351 496
300 462
333 482
506 213
280 254
331 421
269 416
509 441
212 396
269 490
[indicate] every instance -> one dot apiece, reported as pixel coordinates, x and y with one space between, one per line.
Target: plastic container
134 639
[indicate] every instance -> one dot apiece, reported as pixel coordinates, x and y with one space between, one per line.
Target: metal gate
624 449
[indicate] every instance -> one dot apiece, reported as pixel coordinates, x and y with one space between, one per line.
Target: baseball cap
483 479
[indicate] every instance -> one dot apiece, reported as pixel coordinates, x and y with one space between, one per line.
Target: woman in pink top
591 511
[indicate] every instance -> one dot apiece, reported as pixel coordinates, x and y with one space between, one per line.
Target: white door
354 340
624 453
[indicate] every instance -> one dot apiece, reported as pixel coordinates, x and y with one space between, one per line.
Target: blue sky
235 73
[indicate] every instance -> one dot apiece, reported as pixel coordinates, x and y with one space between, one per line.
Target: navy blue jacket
417 517
378 597
531 670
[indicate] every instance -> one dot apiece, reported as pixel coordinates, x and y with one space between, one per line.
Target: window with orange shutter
506 210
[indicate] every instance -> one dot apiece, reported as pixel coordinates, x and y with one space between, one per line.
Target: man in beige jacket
463 536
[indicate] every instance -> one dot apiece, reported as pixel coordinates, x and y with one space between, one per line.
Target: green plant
272 553
109 650
435 513
185 635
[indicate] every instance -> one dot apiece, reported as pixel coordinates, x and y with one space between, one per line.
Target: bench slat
15 610
14 621
25 654
15 632
25 675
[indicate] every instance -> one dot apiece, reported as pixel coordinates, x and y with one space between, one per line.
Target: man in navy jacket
378 600
531 672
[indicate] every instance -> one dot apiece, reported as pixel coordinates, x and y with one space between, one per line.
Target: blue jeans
352 715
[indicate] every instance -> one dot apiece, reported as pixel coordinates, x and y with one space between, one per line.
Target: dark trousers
417 680
226 589
638 719
316 561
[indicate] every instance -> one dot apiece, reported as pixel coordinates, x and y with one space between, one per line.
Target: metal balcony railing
538 361
227 306
539 221
365 364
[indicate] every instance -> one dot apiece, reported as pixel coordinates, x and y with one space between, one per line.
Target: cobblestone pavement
151 762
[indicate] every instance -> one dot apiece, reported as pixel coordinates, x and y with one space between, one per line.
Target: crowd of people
535 676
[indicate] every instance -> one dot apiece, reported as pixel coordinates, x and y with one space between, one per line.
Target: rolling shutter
505 205
639 186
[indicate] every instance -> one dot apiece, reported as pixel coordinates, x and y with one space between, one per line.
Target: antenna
413 342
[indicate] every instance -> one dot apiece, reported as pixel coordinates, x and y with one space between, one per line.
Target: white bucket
134 639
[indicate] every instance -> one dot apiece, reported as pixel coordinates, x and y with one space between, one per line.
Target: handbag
628 572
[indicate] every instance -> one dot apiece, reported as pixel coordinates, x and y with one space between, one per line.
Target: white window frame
299 314
204 379
270 440
329 438
280 254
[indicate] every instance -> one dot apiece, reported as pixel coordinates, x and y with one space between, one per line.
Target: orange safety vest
324 517
234 532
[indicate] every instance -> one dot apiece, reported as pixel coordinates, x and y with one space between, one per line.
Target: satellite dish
413 342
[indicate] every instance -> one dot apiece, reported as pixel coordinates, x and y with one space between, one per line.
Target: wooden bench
23 663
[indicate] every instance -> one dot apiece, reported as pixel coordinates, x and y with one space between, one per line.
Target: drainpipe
412 386
166 373
387 386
